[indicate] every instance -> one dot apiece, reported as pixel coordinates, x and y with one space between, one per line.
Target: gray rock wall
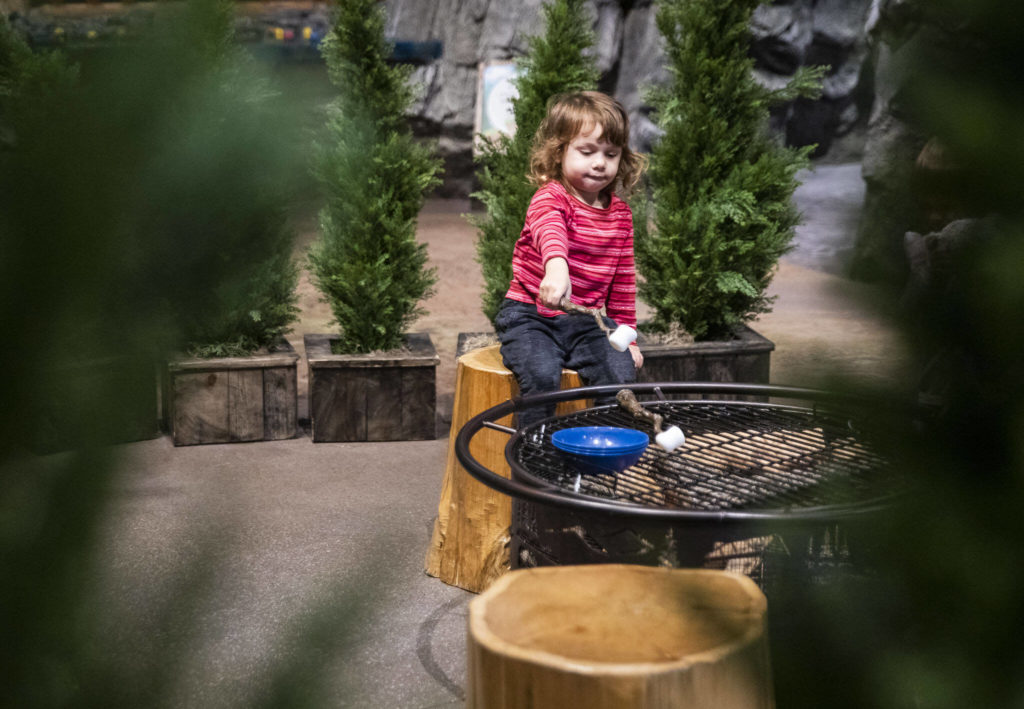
787 35
896 29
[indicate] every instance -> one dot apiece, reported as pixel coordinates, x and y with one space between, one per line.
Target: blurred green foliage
154 190
139 196
237 205
106 242
27 82
939 626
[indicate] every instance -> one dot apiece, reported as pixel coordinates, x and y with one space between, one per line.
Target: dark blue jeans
536 348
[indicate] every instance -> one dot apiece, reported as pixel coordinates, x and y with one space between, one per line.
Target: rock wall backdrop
909 184
786 35
464 33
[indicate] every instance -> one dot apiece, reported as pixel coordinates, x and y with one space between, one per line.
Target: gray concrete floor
309 557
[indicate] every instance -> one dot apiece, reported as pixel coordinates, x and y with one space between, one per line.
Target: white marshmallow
622 338
671 438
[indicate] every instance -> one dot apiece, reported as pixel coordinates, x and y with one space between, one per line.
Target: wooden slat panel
200 409
245 404
279 403
719 369
350 405
338 401
233 397
384 403
419 404
754 368
746 358
218 363
321 403
368 398
662 367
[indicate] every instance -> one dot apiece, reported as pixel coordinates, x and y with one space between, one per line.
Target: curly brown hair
569 115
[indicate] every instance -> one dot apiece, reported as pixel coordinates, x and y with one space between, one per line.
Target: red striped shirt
596 243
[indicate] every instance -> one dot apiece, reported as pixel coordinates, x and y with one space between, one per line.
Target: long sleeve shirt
596 243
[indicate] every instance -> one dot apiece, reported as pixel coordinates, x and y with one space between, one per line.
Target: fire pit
775 487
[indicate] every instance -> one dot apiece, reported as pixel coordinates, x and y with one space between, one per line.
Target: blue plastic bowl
600 449
599 439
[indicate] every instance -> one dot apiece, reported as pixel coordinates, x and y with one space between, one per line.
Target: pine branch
721 186
367 262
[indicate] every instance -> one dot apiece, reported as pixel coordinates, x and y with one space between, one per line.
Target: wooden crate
234 399
375 397
746 358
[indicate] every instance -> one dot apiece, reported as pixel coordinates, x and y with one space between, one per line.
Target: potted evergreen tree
237 378
721 211
373 380
160 199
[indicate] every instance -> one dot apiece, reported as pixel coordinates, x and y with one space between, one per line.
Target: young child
577 243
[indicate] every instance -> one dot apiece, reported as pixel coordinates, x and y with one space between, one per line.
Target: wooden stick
571 307
627 400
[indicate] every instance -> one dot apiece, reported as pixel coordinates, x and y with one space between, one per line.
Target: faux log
234 399
469 545
372 397
610 636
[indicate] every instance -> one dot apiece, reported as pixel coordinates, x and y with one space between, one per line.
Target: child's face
589 164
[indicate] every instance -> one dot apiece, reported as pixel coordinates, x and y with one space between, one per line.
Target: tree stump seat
469 544
609 636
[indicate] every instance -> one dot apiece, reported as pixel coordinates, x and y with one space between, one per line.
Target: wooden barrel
618 636
469 544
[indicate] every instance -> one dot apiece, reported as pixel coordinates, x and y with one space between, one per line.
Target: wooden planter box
234 399
745 358
379 397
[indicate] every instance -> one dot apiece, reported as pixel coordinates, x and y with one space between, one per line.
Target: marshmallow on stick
669 439
621 338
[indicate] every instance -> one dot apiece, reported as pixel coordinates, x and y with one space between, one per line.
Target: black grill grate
737 456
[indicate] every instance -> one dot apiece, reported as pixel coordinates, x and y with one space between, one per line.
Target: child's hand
555 283
638 356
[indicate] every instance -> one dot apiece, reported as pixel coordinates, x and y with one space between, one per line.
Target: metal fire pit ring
527 486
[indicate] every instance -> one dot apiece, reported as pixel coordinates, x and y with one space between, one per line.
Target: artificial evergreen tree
125 199
255 307
176 154
556 62
27 79
722 213
368 263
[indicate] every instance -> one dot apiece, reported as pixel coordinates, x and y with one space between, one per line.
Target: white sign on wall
495 91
